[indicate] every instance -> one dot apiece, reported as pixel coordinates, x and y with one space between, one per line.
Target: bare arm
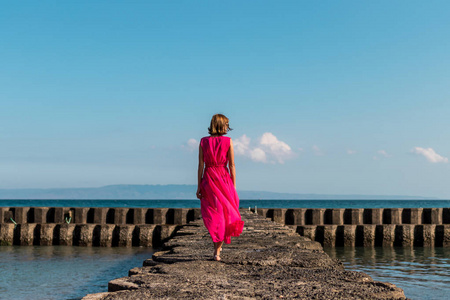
231 165
200 171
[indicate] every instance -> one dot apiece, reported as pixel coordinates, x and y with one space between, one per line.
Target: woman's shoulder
204 139
215 137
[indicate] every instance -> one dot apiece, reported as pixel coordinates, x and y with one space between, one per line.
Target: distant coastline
176 191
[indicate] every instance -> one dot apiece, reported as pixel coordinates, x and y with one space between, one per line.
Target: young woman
217 185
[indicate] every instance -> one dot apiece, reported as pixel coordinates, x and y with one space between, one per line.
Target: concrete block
369 235
407 235
396 215
429 235
376 216
163 232
20 215
349 235
7 215
145 235
436 216
66 232
80 216
329 235
180 216
337 216
139 215
159 215
120 216
46 234
279 215
356 216
40 215
446 235
59 214
3 217
6 234
416 216
295 216
125 233
167 231
308 231
26 233
388 235
100 215
106 235
317 216
392 216
432 216
262 212
84 234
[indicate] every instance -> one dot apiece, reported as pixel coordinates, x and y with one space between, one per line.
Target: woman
217 185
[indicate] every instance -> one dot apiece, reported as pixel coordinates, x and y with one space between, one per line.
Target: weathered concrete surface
267 261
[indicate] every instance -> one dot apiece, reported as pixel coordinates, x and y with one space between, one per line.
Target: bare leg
217 249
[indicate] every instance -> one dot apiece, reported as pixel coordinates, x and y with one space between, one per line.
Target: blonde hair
219 125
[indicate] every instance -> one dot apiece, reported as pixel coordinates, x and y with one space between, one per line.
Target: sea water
61 272
176 203
423 273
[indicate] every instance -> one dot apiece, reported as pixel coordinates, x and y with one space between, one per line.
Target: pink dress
220 202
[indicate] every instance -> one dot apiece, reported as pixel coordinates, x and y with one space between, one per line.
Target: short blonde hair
219 125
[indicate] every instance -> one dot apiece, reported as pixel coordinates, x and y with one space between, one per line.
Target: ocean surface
60 272
243 203
422 273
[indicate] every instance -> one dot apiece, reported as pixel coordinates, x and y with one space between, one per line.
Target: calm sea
58 272
243 203
61 272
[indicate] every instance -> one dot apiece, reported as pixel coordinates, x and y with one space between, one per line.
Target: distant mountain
173 191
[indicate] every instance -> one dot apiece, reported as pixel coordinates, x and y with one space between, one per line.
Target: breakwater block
268 261
103 215
357 216
386 235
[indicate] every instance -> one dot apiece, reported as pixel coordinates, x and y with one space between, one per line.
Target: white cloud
383 153
317 151
258 155
191 145
241 145
268 149
430 155
278 149
350 152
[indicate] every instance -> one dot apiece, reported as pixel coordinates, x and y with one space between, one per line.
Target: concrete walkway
268 261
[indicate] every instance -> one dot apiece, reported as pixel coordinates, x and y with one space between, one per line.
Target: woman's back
215 150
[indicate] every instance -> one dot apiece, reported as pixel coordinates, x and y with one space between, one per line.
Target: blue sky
332 97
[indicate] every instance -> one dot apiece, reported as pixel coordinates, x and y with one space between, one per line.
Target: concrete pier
86 226
126 227
98 215
357 216
268 261
422 227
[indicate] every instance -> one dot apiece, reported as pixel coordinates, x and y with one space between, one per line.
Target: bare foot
216 257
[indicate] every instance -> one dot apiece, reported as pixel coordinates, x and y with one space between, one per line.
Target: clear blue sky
351 97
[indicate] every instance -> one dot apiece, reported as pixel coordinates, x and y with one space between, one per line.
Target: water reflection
423 273
61 272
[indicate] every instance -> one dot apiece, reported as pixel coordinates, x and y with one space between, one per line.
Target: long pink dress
220 201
